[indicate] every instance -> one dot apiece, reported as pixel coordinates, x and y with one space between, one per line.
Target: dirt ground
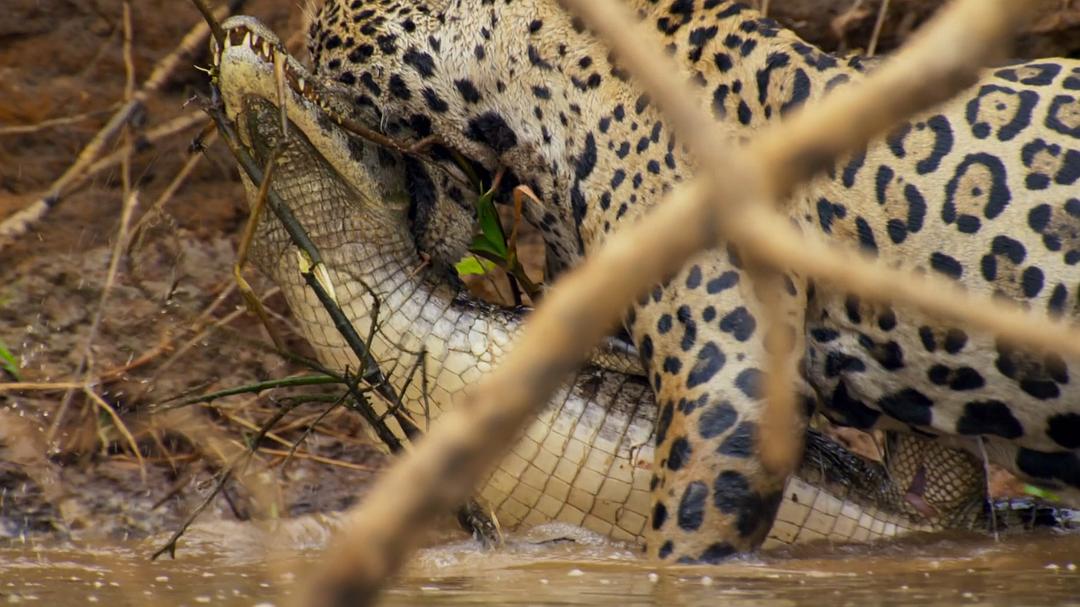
171 321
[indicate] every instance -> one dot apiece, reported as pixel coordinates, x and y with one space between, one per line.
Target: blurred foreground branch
578 313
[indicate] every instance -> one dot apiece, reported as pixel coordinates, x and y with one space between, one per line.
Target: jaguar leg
712 496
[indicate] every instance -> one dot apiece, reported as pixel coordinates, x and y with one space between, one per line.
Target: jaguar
984 190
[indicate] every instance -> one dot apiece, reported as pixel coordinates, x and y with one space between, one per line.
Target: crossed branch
732 202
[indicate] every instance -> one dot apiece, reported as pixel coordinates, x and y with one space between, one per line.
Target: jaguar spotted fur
985 190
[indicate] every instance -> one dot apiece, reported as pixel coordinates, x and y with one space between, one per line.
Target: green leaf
491 250
491 238
1041 493
8 362
474 266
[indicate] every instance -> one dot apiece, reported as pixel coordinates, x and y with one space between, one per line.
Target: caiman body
587 458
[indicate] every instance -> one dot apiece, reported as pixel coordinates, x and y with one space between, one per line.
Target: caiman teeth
238 36
305 85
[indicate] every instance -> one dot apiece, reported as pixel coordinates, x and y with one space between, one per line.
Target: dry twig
20 222
155 211
879 24
27 129
234 459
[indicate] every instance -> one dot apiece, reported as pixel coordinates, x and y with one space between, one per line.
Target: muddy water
227 565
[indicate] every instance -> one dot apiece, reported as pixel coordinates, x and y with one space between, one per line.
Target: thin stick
311 427
121 427
129 92
370 370
782 426
418 364
170 546
39 386
986 478
250 298
211 20
247 424
329 461
764 236
165 130
129 61
114 262
26 129
288 382
879 24
170 190
199 330
231 466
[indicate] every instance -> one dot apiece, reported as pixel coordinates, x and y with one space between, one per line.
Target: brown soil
58 59
63 58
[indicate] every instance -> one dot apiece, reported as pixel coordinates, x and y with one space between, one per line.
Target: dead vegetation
120 296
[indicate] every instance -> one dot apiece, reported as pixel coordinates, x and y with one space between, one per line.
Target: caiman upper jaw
253 64
248 32
335 100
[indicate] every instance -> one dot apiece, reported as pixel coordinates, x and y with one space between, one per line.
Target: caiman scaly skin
588 457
